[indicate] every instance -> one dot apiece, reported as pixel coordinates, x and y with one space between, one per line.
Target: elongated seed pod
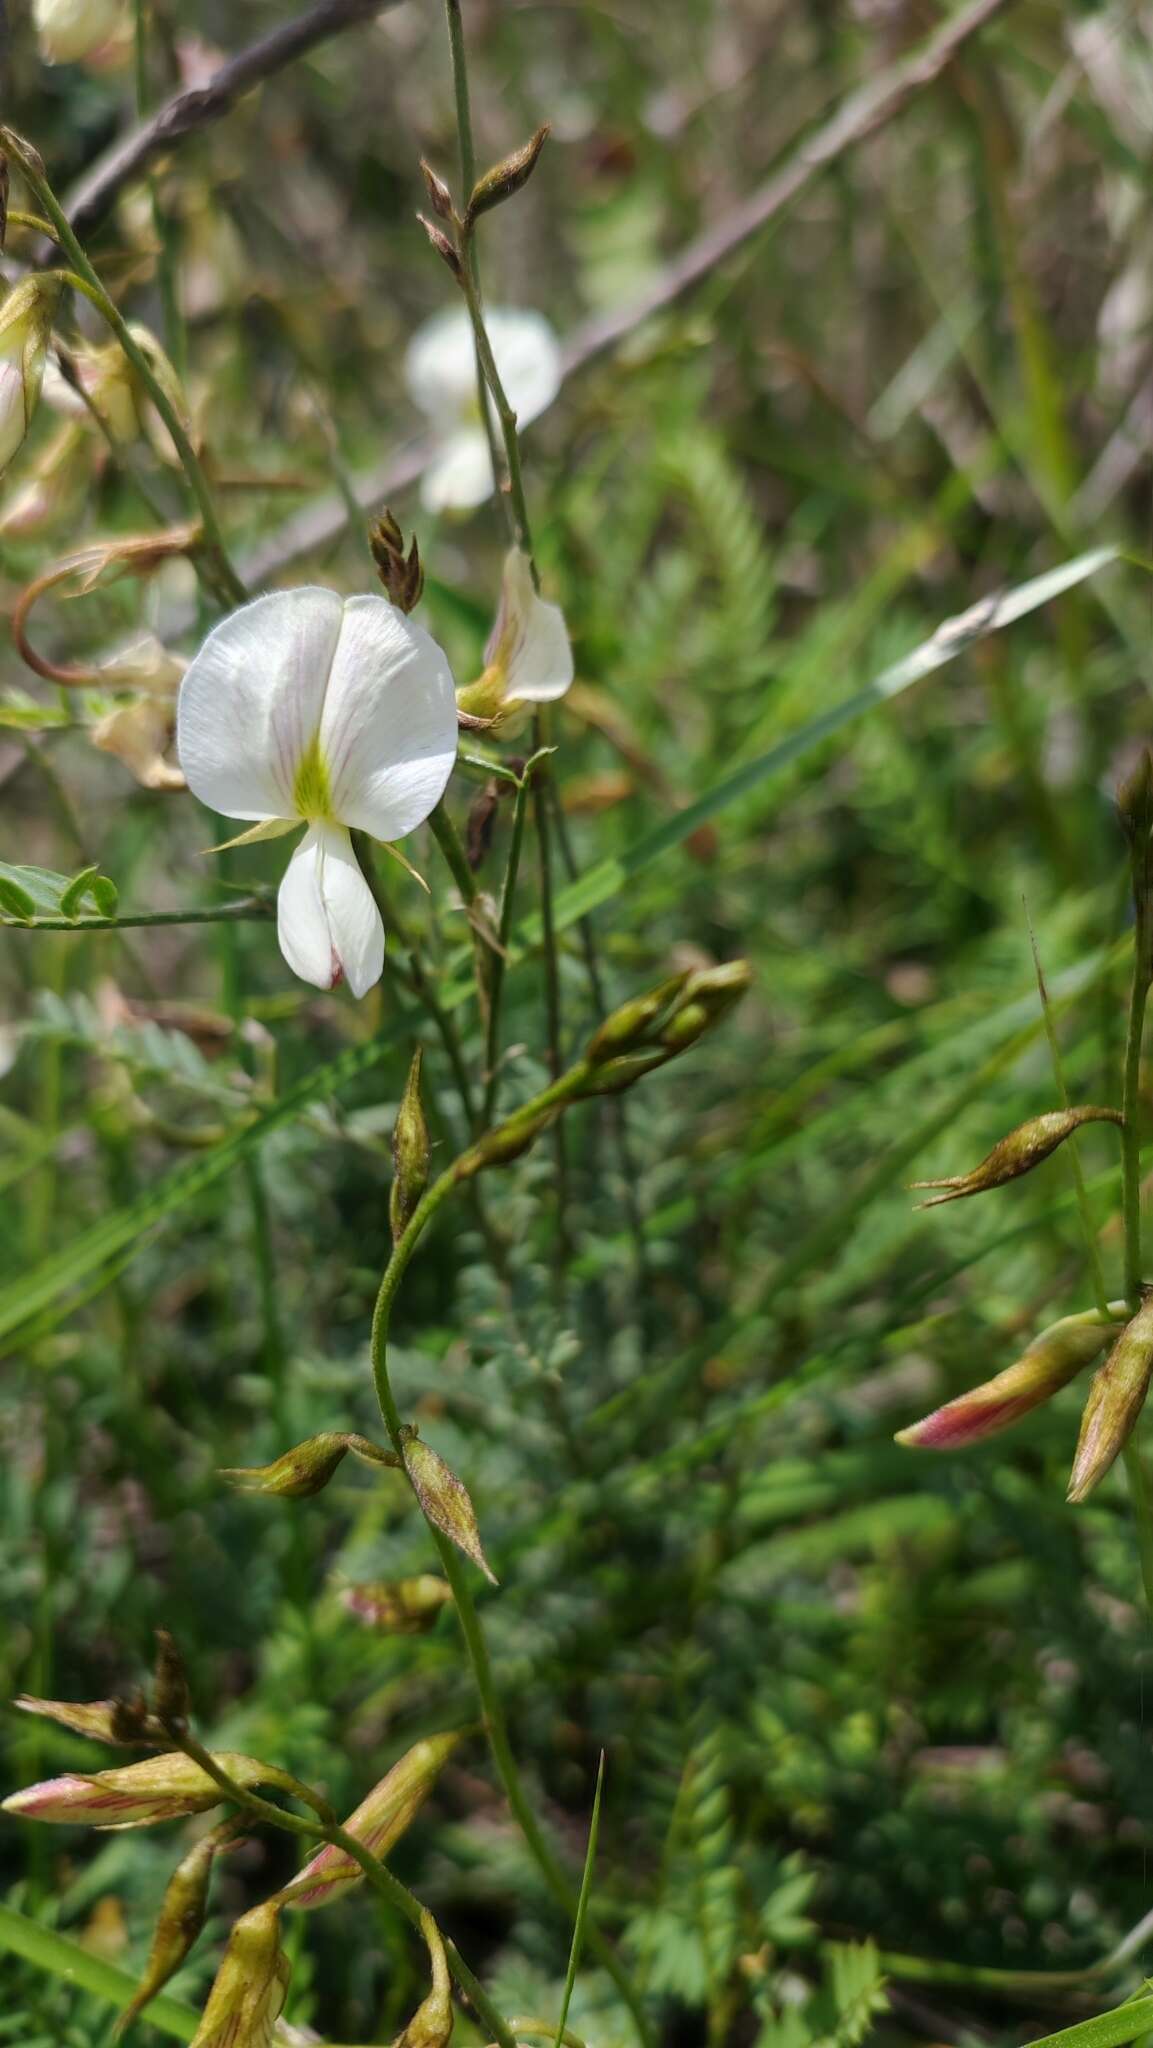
1116 1399
1019 1152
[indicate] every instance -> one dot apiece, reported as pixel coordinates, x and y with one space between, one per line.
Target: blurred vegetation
857 1704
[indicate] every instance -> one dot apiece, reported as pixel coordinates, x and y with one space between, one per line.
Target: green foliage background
848 1695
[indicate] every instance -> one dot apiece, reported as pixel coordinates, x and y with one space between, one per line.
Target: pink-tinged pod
378 1822
1051 1361
136 1796
1116 1399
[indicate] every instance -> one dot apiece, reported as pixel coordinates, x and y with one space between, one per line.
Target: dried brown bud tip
1116 1399
402 575
441 244
439 195
503 179
170 1690
1019 1153
410 1152
1135 799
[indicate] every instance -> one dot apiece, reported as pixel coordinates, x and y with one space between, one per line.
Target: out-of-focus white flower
25 325
440 368
339 713
528 659
70 31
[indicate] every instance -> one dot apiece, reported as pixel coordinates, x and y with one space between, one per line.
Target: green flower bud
378 1822
444 1499
1019 1153
246 1998
1116 1399
399 1607
410 1152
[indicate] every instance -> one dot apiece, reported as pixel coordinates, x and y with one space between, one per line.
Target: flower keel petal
327 922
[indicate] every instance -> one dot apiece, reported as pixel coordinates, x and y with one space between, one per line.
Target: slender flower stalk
214 558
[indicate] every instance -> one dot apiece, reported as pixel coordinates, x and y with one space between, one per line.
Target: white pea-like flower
440 369
25 326
305 707
528 659
68 31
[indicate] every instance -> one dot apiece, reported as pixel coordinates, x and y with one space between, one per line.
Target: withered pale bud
501 180
1050 1362
398 1607
1018 1153
170 1689
440 242
1116 1399
26 317
410 1152
100 1720
440 198
444 1500
136 1796
1135 799
246 1999
298 1473
431 2023
378 1822
179 1922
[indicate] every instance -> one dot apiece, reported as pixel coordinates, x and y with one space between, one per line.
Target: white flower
528 659
440 368
338 712
25 325
70 30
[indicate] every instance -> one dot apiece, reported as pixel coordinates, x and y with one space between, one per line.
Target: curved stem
216 560
1131 1133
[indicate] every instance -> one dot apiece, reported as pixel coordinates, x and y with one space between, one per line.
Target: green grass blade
583 1900
1108 2030
60 1957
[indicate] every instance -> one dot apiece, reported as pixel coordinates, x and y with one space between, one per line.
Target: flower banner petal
251 701
388 735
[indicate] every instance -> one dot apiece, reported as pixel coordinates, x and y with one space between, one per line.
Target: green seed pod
1019 1153
503 179
1116 1399
298 1473
179 1922
1050 1362
410 1152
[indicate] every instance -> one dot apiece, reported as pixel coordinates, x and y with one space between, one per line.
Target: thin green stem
327 1829
220 913
550 1100
1084 1210
460 89
1138 1480
215 558
1131 1129
504 935
449 841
